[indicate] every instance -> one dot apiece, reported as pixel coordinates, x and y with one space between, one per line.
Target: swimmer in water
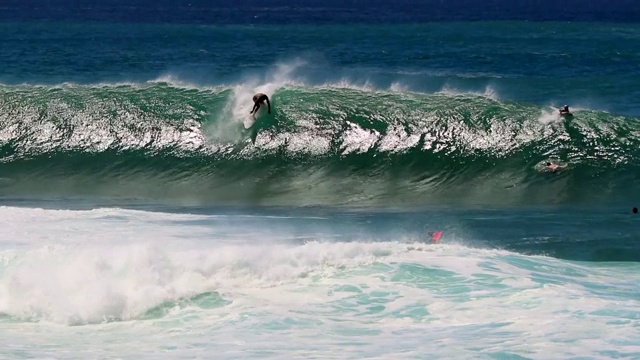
553 167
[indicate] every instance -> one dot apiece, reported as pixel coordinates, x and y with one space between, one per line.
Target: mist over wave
333 143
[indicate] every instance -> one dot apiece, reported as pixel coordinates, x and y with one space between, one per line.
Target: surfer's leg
254 135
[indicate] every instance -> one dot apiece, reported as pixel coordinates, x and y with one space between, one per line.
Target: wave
334 144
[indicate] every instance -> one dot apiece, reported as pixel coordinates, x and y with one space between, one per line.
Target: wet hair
548 164
635 210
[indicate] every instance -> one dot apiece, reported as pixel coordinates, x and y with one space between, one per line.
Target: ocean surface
141 219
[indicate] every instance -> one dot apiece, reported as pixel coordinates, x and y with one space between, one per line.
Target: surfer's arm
255 107
268 104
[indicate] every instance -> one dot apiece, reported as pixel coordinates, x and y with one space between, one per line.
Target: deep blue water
318 12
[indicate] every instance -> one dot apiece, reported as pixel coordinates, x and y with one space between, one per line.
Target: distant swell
331 145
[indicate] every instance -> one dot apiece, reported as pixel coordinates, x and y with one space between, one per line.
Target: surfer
565 110
435 236
259 99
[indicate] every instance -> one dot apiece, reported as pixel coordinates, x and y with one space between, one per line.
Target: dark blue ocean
145 214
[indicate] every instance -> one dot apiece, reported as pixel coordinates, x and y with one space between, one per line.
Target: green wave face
328 145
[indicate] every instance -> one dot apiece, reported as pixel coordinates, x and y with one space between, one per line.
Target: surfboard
251 119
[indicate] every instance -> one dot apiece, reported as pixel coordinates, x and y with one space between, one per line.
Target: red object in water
436 236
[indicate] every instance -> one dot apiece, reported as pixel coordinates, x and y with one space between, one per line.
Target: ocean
141 219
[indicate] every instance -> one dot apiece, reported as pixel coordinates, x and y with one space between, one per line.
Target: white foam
89 283
273 80
396 139
176 81
236 112
345 83
489 92
88 266
354 298
550 116
358 140
398 87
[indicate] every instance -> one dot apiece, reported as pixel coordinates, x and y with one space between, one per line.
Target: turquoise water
141 219
112 282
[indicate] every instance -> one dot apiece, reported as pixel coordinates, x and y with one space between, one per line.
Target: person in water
553 167
565 110
259 99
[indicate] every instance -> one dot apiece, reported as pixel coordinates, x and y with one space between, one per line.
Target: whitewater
238 286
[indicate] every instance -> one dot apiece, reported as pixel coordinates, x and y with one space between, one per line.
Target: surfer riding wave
259 99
